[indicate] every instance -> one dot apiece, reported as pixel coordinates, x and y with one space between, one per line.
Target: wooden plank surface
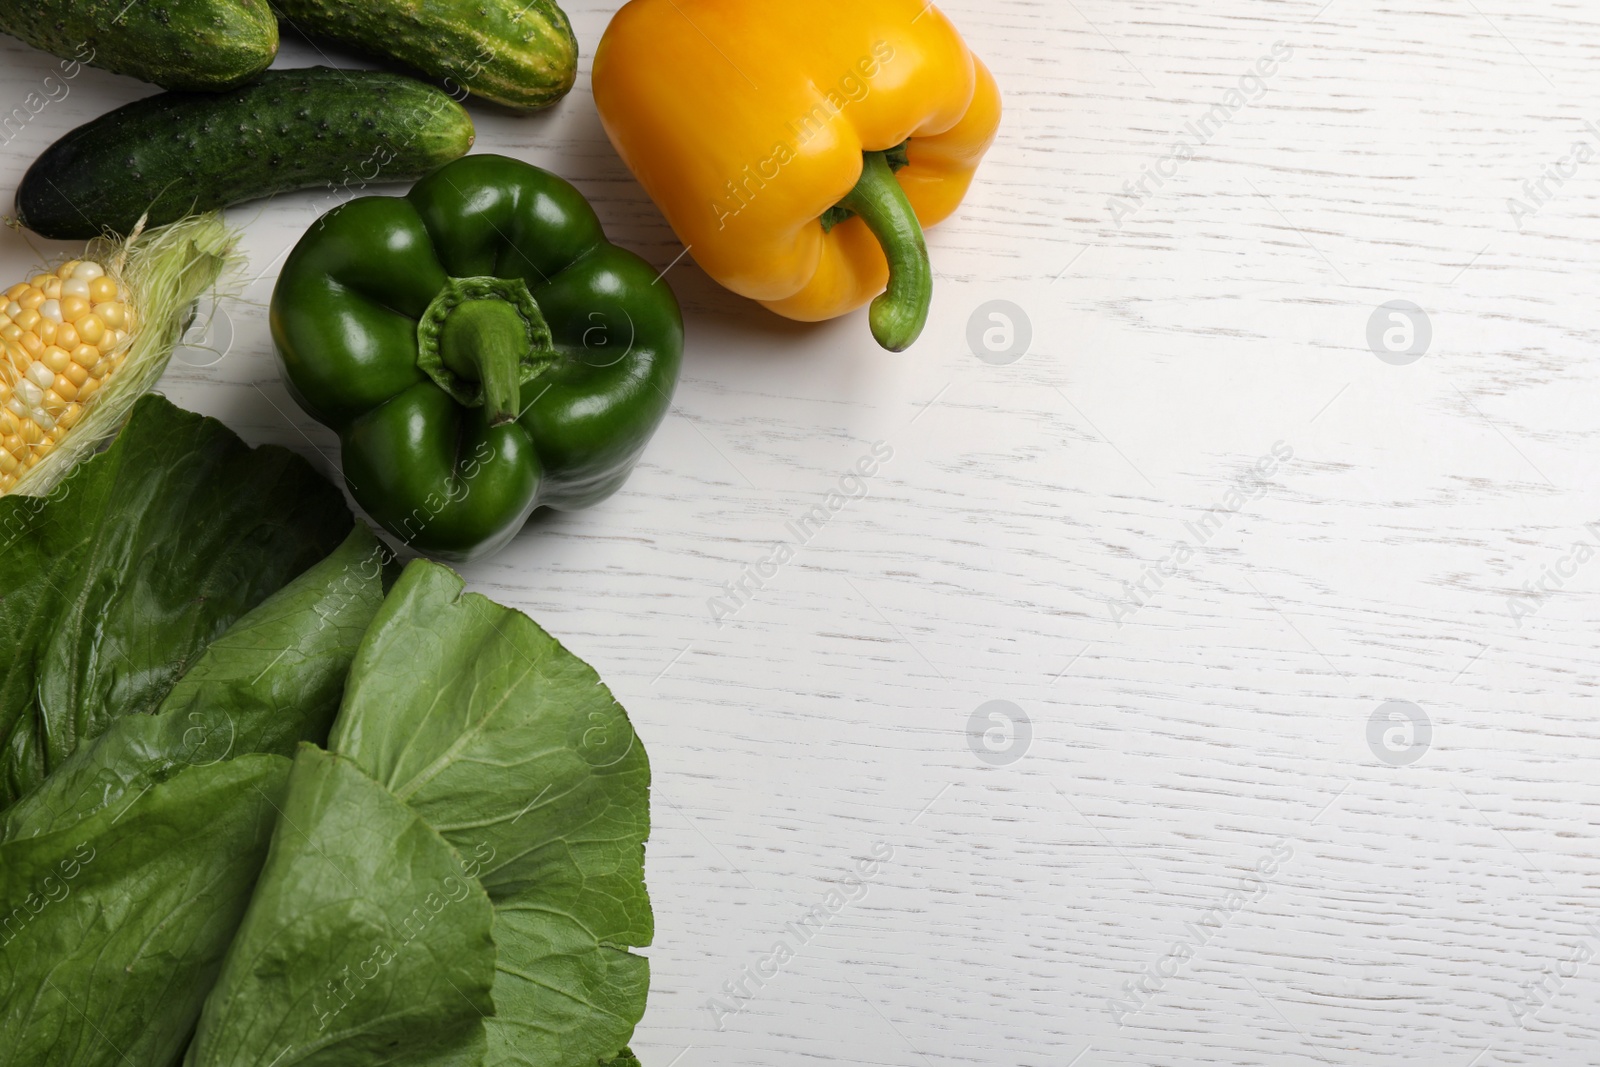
1200 535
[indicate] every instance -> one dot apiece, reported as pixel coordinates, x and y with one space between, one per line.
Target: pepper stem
898 313
484 341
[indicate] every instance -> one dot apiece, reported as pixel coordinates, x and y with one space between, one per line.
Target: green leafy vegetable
365 942
112 929
456 881
112 586
470 716
273 679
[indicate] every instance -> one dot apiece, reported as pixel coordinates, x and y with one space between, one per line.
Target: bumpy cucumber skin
174 154
513 52
177 44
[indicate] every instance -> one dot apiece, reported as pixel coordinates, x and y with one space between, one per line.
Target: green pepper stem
484 341
898 313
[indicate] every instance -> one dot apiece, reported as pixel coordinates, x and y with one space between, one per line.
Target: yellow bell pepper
798 149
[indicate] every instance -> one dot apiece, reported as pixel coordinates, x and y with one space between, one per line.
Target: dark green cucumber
520 53
178 44
174 154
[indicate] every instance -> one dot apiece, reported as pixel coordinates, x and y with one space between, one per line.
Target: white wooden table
1081 888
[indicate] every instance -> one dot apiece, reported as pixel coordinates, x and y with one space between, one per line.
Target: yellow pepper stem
898 313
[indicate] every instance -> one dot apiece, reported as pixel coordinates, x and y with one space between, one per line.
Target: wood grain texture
1410 907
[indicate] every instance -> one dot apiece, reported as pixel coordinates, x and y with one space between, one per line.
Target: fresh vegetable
116 582
480 348
457 878
81 343
178 44
175 153
810 193
122 918
271 680
490 799
520 53
125 871
172 813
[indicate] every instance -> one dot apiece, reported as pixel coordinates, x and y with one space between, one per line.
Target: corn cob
64 334
81 343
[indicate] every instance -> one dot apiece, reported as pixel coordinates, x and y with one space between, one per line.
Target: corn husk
164 270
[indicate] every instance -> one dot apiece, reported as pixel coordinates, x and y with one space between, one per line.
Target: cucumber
174 154
520 53
177 44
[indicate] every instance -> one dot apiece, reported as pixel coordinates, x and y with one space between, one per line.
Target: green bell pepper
480 349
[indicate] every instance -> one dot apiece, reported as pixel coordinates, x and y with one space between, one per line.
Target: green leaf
276 677
365 944
112 930
273 679
560 996
512 749
112 586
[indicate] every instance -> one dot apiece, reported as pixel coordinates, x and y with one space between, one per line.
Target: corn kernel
62 335
90 330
